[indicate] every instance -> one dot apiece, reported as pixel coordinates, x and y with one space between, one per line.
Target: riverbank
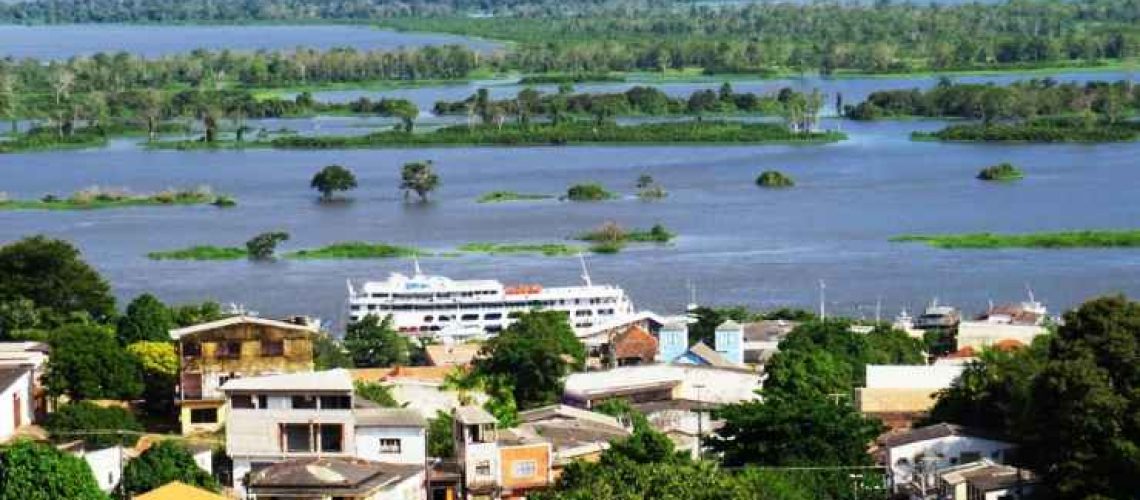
1062 239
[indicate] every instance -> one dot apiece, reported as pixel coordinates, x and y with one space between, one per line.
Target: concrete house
210 354
916 457
299 416
498 464
904 388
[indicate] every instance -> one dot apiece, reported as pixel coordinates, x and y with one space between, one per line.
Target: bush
1000 172
774 179
588 192
162 463
82 416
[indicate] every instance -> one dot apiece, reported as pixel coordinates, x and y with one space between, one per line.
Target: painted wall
106 465
979 334
16 404
672 342
413 443
539 454
729 342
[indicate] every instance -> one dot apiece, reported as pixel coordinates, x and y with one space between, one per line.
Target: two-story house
498 464
240 346
294 417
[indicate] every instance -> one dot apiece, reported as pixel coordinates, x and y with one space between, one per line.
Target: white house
17 398
336 478
662 382
298 416
917 456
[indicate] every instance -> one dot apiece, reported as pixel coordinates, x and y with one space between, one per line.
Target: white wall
413 444
948 449
912 376
428 397
106 465
253 432
21 388
411 488
717 385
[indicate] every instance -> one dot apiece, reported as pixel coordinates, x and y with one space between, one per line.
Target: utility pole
700 423
822 301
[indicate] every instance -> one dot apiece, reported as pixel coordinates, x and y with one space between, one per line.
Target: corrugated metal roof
388 417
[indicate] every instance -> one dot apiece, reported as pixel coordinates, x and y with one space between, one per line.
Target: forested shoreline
759 39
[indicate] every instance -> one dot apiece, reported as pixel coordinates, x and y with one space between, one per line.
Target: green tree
264 245
993 392
794 431
329 354
374 342
162 463
34 471
377 393
406 111
331 179
441 435
73 421
17 315
419 177
536 353
1083 433
159 364
87 362
51 274
147 318
193 314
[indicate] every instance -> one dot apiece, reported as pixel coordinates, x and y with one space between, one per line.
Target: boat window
493 316
470 317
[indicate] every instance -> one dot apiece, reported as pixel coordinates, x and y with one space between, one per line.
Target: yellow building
240 346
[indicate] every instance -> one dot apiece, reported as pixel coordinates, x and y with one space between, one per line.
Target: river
738 244
65 41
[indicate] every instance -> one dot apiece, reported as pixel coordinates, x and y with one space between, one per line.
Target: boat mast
585 271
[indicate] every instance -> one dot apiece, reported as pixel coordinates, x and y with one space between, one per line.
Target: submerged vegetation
774 179
1001 172
611 237
355 250
97 197
1041 130
504 196
568 133
547 249
202 252
1062 239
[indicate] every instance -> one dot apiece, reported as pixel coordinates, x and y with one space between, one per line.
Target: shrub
774 179
588 192
67 424
1000 172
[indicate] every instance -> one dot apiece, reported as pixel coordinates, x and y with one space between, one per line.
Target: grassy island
44 139
690 132
547 249
1002 172
774 179
504 196
1060 130
354 250
202 252
611 238
100 197
1063 239
588 192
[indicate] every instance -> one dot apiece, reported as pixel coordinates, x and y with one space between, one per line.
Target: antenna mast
416 263
822 301
585 271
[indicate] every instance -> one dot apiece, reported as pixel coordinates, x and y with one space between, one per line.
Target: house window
483 468
304 402
336 402
262 401
297 437
332 436
191 349
272 348
389 446
241 401
230 349
524 468
204 416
